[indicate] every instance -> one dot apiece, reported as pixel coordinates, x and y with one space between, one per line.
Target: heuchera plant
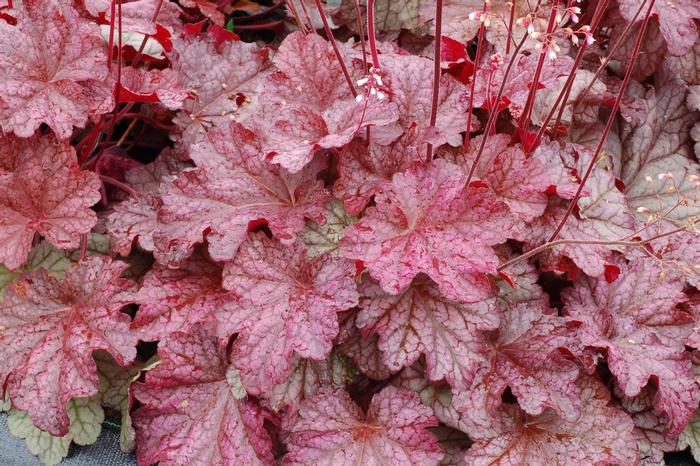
374 232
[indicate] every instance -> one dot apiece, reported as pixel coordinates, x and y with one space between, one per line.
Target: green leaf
690 437
42 255
233 377
86 417
114 391
97 245
54 260
229 25
50 450
323 239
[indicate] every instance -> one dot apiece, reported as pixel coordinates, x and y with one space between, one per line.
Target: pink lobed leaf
676 21
194 411
49 330
45 193
307 104
288 305
514 178
364 169
52 70
224 80
427 221
174 300
420 321
601 435
524 354
233 186
333 430
635 320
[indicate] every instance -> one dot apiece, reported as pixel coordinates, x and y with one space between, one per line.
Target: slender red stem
436 72
609 57
123 186
608 125
83 245
295 13
477 64
117 114
524 122
112 22
566 90
307 16
259 26
119 56
361 31
492 115
371 34
334 44
510 25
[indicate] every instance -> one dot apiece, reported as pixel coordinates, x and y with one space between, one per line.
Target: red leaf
288 304
232 186
193 29
50 330
478 184
611 272
425 221
508 279
333 430
221 35
194 410
9 19
51 36
45 193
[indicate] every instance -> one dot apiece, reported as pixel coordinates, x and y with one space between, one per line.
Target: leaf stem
494 112
260 26
559 242
524 122
509 37
608 125
477 64
607 59
307 15
123 186
361 30
436 71
334 44
372 35
566 90
295 13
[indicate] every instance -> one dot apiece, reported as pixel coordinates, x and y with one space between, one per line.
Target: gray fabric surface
106 452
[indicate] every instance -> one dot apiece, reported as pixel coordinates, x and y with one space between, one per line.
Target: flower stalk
608 125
